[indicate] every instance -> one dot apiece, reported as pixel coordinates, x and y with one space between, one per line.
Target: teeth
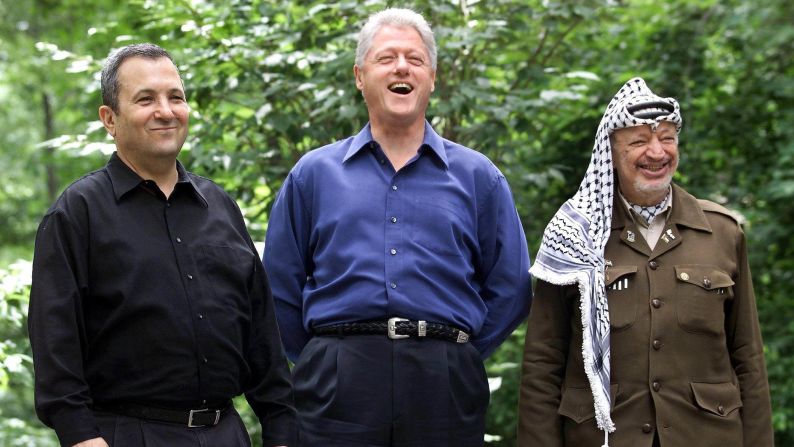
401 87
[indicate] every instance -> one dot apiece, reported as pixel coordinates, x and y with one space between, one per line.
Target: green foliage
524 82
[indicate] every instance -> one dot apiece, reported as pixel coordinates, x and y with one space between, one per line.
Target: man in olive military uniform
644 323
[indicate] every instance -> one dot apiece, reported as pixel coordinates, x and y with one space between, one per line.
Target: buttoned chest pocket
440 226
622 295
227 270
701 292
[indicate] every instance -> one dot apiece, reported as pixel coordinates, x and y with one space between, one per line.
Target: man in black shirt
149 308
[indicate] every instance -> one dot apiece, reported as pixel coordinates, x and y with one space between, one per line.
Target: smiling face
152 117
645 161
396 77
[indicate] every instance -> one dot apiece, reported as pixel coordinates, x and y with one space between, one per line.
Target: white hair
395 17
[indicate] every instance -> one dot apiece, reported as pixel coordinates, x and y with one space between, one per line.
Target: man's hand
96 442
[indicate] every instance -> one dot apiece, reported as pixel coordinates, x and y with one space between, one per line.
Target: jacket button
720 409
657 345
656 386
653 265
646 428
706 282
656 302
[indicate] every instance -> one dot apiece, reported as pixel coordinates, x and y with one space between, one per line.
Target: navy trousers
124 431
368 390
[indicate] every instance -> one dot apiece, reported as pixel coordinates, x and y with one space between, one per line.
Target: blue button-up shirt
350 239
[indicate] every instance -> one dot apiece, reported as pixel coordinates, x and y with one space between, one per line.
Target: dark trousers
124 431
368 390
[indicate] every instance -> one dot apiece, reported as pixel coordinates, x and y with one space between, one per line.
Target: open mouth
655 168
401 88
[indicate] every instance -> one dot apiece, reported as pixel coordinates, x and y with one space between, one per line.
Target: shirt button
382 161
657 345
393 220
178 240
653 265
393 285
393 251
656 386
646 428
205 360
189 276
394 187
204 401
656 302
201 316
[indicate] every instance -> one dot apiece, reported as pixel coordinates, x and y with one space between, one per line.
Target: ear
359 77
108 118
433 85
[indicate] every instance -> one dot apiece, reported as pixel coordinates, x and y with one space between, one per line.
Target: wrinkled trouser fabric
368 390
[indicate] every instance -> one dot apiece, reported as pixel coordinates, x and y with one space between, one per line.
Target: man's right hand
96 442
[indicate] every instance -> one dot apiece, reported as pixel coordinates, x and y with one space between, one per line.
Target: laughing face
645 161
396 77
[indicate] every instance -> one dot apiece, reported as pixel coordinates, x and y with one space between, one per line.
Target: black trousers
368 390
124 431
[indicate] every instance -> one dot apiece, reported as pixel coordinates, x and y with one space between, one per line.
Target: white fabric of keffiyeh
572 250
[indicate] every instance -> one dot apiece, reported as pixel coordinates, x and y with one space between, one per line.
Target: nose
164 110
655 149
401 65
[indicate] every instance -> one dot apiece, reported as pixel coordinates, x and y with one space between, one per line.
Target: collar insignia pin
670 233
630 236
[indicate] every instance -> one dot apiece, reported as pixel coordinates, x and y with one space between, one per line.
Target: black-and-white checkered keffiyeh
572 250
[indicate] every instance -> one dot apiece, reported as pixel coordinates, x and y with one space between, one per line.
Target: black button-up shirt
139 298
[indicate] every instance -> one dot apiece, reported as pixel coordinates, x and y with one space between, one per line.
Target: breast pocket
228 271
701 292
440 226
622 295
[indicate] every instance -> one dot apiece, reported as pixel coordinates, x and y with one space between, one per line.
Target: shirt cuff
74 425
281 430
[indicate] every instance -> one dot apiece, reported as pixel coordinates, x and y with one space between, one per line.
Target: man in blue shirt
397 262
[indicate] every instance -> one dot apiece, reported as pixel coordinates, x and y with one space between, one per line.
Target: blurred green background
524 82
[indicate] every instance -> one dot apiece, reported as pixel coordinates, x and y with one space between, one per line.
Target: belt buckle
391 328
203 410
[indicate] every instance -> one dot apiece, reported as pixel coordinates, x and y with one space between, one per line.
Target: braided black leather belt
395 328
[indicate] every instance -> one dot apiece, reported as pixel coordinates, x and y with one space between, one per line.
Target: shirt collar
123 179
684 210
640 220
431 139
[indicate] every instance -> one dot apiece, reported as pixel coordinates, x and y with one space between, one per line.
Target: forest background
524 82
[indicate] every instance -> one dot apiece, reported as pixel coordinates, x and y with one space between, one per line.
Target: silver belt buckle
391 328
203 410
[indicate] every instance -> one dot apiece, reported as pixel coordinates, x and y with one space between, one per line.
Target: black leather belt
395 328
192 418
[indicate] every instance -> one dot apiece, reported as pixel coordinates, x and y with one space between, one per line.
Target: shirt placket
191 283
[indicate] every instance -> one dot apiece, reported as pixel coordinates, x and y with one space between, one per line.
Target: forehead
140 73
397 37
643 130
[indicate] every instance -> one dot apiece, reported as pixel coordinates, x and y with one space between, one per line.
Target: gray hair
110 71
395 17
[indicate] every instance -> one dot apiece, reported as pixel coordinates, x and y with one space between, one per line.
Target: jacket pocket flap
718 398
617 272
704 276
577 403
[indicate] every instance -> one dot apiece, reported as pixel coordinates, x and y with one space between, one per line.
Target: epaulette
709 206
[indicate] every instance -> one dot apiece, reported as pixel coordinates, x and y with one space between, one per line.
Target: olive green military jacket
686 351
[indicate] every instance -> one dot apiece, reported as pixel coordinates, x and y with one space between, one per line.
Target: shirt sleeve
270 393
543 367
504 268
55 325
287 261
747 355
